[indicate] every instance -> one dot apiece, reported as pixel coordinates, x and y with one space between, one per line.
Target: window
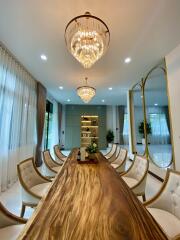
126 129
126 125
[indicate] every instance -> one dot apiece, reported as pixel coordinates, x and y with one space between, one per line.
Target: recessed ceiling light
43 57
102 100
61 87
127 60
68 100
141 96
110 88
156 104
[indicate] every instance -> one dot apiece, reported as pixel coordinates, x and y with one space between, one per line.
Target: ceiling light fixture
61 87
127 60
86 93
156 104
43 57
87 38
110 88
103 100
68 100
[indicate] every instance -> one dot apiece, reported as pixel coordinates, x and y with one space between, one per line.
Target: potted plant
110 137
141 130
92 149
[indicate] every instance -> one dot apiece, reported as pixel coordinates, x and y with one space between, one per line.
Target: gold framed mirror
158 130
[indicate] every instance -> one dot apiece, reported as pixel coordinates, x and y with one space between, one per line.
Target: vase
92 156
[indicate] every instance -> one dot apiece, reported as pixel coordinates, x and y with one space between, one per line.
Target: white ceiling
144 30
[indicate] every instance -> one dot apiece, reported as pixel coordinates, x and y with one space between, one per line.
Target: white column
130 111
117 126
63 126
112 121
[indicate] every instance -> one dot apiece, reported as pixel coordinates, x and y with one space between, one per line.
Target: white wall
173 80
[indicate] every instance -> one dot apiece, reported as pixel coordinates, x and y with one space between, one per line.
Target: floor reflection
160 154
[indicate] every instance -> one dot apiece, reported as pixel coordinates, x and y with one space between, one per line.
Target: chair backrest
113 149
27 173
8 219
48 160
139 168
58 152
118 149
169 196
121 157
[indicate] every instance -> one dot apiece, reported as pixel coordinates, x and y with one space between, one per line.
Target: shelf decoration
89 130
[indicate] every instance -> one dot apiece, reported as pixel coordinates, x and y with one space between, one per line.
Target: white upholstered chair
59 156
53 167
111 155
10 225
165 206
136 176
120 161
33 185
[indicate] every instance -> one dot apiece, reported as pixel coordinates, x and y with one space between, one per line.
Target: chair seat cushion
11 232
168 222
56 168
131 182
41 189
114 165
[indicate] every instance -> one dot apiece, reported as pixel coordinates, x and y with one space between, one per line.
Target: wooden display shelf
89 122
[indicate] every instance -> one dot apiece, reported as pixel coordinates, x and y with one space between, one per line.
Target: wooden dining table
90 201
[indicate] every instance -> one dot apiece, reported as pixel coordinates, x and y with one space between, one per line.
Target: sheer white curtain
17 117
157 118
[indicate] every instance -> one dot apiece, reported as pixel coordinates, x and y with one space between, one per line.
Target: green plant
110 136
141 128
92 148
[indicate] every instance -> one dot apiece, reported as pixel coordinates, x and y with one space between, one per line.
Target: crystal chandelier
86 93
87 38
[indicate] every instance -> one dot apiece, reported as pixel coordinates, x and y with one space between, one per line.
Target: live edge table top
90 202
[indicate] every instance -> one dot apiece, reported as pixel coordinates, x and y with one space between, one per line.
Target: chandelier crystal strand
87 38
86 93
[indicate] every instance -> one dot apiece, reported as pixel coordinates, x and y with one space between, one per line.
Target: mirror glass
158 122
139 138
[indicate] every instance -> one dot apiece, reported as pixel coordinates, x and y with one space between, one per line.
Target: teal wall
73 115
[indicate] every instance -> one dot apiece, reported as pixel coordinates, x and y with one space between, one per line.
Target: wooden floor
90 202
